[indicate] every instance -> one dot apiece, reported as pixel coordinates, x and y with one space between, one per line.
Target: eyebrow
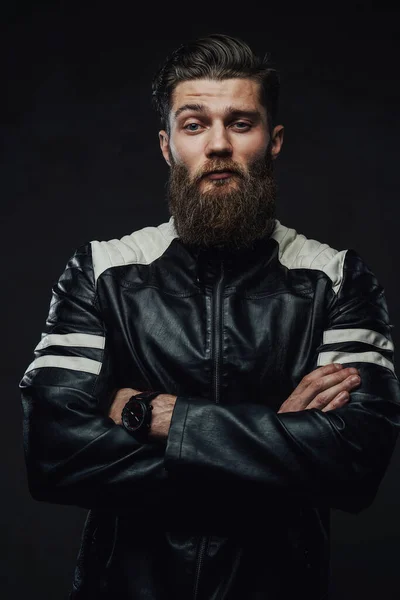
232 111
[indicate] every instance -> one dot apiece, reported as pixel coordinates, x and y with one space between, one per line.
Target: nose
218 143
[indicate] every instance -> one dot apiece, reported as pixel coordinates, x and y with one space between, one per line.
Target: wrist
137 415
163 407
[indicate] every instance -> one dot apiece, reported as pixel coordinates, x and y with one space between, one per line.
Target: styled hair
216 56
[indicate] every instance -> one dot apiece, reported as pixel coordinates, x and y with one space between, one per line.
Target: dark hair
216 56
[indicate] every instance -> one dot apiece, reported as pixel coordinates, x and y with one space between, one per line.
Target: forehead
237 92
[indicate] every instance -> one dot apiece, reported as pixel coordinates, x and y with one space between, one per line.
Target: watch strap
146 395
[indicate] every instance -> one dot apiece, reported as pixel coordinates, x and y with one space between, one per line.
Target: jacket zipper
200 558
217 345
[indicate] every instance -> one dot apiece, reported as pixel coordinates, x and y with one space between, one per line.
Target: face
221 187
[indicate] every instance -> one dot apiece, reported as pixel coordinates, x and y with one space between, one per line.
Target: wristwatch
136 415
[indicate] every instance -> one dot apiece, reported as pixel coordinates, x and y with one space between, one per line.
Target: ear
276 140
164 145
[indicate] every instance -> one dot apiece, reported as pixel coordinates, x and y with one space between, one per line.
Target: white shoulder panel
141 247
298 252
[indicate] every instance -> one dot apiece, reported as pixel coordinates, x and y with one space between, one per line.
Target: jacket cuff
176 432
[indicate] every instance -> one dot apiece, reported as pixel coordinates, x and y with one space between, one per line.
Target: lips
219 174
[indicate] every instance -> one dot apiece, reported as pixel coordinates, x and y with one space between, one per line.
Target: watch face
135 414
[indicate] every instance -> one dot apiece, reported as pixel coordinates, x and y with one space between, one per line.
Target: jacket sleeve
335 458
75 454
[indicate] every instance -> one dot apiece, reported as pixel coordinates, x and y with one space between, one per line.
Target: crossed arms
318 447
326 388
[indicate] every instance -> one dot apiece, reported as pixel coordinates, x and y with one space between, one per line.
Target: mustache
218 166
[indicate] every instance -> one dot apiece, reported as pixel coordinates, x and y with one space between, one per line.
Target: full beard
230 213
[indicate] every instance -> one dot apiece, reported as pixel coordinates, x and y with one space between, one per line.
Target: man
263 360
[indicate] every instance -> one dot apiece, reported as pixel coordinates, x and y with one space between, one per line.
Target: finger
318 373
329 393
339 401
297 400
320 385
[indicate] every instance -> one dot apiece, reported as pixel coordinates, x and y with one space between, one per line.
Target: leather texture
237 504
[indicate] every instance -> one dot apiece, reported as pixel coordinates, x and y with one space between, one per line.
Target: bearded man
211 387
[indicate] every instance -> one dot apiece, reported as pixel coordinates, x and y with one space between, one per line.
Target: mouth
219 174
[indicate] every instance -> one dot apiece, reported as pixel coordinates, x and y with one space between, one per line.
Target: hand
325 388
120 399
161 415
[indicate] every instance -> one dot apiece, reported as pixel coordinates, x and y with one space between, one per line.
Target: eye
192 127
242 125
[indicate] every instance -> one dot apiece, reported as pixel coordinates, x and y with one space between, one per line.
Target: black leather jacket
237 503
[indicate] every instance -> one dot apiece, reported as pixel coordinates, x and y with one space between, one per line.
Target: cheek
253 147
187 151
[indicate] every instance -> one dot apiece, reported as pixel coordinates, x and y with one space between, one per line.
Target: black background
80 161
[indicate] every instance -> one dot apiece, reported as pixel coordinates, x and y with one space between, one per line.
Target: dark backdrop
80 161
